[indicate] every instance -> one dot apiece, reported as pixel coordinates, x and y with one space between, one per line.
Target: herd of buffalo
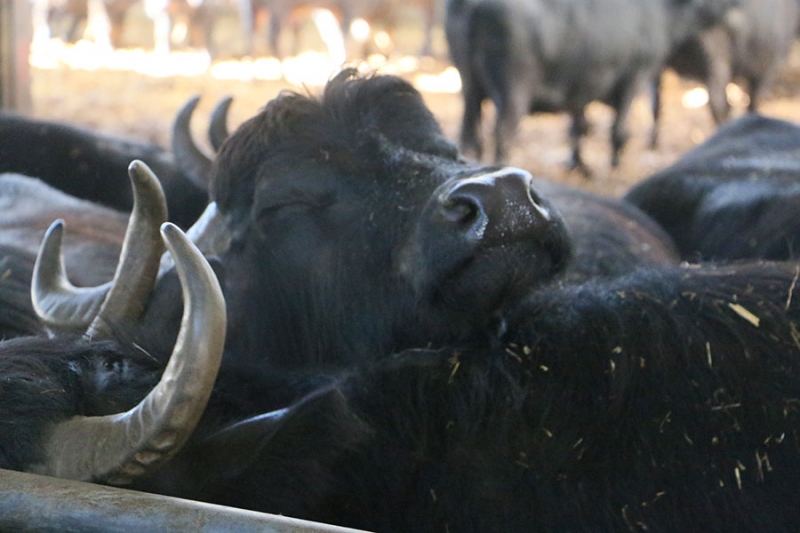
525 56
343 317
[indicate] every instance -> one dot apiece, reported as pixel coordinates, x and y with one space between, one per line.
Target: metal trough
33 503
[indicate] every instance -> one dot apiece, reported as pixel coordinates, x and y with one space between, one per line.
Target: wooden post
15 43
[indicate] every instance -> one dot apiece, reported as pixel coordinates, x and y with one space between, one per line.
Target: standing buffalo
531 56
735 196
752 45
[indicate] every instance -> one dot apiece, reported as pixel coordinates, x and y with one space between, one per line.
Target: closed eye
293 203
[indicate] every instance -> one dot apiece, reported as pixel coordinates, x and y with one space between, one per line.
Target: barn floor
142 106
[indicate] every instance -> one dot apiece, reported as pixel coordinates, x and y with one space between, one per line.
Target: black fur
735 196
332 207
652 401
92 166
663 398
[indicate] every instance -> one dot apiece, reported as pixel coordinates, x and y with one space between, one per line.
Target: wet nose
495 207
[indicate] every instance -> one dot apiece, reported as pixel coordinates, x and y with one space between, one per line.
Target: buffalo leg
655 86
716 47
509 113
717 94
756 86
471 143
577 130
619 128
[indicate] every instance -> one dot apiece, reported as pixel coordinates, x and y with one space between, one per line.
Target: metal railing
33 503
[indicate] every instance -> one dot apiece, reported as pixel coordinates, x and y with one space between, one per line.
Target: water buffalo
309 184
665 400
752 45
663 397
92 246
545 55
735 196
92 166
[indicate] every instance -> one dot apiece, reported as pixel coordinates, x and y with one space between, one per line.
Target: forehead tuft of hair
354 114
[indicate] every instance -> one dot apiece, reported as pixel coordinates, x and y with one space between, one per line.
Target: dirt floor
142 107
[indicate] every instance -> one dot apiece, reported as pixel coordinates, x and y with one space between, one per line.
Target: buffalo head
348 225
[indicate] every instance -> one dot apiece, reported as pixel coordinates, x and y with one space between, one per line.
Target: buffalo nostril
460 210
497 206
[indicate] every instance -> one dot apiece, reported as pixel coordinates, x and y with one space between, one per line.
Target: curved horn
189 158
57 302
209 233
141 253
117 449
218 123
61 305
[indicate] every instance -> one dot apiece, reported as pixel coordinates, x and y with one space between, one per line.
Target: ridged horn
141 253
218 123
57 302
60 305
210 233
189 158
117 449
